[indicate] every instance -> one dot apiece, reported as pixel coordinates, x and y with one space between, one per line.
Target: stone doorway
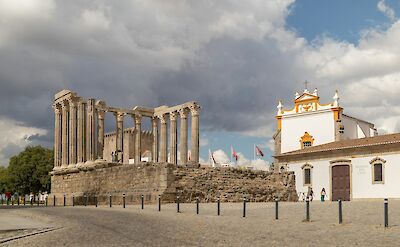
341 182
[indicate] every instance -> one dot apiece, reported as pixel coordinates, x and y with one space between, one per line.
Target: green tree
4 180
29 170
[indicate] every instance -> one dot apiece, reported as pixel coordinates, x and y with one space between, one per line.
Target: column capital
163 118
138 118
64 104
119 116
183 112
73 102
101 113
154 121
57 108
194 109
173 115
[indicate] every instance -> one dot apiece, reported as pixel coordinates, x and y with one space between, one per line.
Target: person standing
323 194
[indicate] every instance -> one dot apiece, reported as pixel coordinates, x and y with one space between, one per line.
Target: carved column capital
154 121
57 108
194 109
101 113
64 104
138 118
173 115
183 113
119 116
163 118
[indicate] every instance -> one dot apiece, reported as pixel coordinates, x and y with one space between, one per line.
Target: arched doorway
340 180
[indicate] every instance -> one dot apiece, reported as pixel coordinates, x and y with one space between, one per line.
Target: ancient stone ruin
89 163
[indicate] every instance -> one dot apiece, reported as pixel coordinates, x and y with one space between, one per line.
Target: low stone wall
231 185
168 181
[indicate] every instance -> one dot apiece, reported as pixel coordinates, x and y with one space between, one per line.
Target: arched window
378 170
307 174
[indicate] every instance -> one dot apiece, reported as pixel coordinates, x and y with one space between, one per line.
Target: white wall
320 125
350 127
355 129
361 180
319 178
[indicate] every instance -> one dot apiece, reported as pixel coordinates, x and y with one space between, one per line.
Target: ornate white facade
327 149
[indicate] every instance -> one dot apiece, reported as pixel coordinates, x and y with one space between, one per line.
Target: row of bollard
340 207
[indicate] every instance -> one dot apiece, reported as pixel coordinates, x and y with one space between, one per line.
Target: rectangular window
306 144
378 173
307 176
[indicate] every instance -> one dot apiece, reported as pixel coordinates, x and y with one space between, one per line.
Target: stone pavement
104 226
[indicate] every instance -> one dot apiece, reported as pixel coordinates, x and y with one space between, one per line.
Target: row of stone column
79 134
76 138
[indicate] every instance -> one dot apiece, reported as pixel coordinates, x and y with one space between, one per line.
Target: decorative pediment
306 140
306 97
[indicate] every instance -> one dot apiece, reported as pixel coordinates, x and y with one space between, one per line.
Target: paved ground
89 226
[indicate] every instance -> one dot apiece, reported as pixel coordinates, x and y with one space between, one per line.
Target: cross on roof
306 84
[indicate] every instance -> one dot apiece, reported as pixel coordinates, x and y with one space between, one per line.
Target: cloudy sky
237 58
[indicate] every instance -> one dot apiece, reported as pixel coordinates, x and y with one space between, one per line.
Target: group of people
310 195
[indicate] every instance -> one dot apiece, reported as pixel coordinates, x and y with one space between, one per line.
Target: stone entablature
80 138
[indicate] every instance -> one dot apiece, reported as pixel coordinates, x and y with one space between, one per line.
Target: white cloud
235 57
388 11
14 137
221 157
95 20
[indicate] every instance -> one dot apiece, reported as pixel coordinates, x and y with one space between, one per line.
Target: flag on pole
234 154
259 152
212 159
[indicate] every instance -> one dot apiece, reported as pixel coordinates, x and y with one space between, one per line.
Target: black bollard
197 205
386 212
110 201
24 200
123 200
95 201
177 204
18 200
142 198
38 200
64 201
218 206
159 203
276 209
340 212
307 209
244 207
12 202
47 200
73 201
54 200
2 200
85 200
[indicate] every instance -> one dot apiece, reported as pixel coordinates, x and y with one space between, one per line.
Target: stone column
64 134
183 143
72 132
173 138
91 145
57 136
119 136
81 129
154 155
101 114
163 138
138 138
195 110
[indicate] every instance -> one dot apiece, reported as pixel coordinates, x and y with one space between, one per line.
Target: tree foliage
29 170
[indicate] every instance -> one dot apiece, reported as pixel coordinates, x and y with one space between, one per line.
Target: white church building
326 148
